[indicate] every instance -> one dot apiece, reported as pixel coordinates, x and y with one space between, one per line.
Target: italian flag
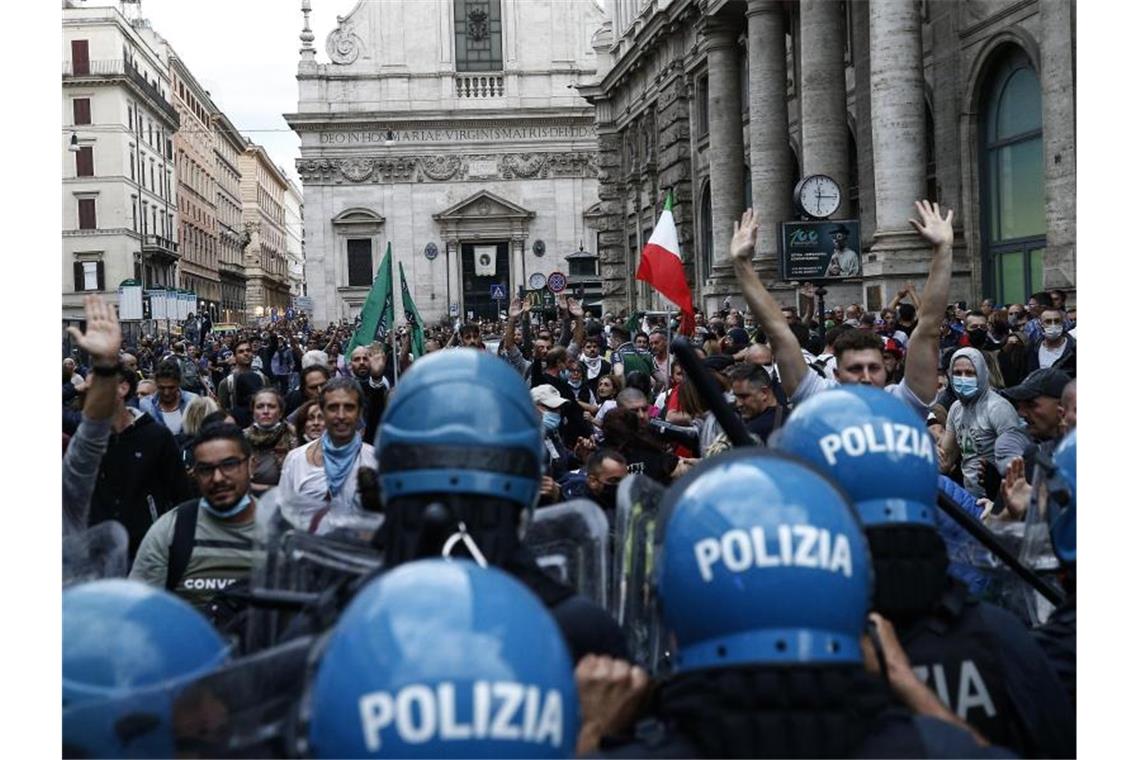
661 266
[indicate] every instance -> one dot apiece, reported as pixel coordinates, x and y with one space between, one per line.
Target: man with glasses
206 544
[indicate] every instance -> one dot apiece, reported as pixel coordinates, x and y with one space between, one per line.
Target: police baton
986 538
711 394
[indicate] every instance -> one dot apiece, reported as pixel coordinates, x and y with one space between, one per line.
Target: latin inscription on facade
459 135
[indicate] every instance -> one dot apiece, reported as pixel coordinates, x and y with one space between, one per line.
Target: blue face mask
565 375
236 509
551 420
965 387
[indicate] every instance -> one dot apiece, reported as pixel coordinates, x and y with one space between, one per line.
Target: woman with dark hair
271 438
310 421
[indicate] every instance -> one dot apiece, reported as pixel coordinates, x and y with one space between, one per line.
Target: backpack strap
181 543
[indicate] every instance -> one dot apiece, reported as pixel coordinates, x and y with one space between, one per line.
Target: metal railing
478 85
161 243
120 67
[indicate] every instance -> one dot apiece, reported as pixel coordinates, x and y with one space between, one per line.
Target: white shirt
1047 357
812 384
303 488
172 420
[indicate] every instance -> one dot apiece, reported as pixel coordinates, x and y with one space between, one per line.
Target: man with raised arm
859 355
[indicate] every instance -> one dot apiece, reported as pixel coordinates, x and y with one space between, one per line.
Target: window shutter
85 162
86 213
80 63
81 110
99 274
77 268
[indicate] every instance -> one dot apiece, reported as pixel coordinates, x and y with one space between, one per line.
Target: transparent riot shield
98 552
633 603
571 543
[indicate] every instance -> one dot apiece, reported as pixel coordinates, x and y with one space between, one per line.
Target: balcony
156 245
478 85
121 69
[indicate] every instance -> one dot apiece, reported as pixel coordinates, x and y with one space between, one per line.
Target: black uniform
983 664
1057 637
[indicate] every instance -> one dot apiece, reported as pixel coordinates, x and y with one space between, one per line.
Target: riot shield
633 602
571 543
98 552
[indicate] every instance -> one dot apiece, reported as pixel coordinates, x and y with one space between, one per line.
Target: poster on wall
820 250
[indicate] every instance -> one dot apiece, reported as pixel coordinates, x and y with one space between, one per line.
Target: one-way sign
498 291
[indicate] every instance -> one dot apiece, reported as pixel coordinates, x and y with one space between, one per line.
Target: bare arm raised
785 347
922 351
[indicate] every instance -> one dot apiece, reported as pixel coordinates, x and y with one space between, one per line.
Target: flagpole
395 357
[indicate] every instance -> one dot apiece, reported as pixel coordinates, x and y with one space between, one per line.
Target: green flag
412 316
378 314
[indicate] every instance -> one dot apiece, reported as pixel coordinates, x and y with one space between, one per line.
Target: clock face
537 281
818 196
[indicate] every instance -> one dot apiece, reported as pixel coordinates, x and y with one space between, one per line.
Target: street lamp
73 145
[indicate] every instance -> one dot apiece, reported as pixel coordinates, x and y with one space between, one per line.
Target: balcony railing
478 85
159 244
120 67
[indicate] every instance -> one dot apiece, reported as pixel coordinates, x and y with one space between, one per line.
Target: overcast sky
245 52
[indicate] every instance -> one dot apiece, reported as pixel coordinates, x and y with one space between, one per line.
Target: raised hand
103 336
377 361
575 308
744 235
612 693
1015 490
933 228
515 309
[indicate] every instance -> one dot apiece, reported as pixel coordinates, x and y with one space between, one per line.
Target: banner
412 316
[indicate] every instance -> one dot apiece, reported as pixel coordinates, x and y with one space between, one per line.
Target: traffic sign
498 291
453 310
556 282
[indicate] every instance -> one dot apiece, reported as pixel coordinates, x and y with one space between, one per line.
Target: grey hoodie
977 422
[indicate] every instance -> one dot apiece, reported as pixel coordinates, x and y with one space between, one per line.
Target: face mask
607 499
965 387
565 375
236 509
551 420
977 337
1053 331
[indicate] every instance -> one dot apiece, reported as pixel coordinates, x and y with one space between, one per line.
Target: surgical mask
551 420
977 337
236 509
565 375
1053 331
965 387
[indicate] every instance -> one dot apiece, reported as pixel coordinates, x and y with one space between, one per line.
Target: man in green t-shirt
225 532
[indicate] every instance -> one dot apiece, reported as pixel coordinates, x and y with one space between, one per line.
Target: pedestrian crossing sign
498 292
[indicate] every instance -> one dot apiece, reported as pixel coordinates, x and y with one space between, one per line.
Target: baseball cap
547 395
1046 381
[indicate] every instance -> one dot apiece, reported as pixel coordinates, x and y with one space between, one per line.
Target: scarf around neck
593 366
339 460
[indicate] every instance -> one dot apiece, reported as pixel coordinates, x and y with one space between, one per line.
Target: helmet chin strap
468 543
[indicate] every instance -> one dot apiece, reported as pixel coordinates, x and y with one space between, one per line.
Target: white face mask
1053 331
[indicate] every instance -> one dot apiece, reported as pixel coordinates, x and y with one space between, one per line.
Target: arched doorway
1011 169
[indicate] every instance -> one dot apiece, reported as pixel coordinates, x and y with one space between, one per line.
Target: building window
85 162
478 35
747 187
132 166
359 262
80 62
706 232
87 214
88 275
702 106
1012 174
81 111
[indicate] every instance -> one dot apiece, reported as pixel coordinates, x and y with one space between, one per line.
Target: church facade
453 131
728 103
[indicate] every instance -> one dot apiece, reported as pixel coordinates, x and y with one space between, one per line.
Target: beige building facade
730 102
228 147
119 211
263 188
465 145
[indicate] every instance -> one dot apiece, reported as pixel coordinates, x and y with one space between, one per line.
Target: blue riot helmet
1062 494
882 456
761 561
460 446
442 658
128 648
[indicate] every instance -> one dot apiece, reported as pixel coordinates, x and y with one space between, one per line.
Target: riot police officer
764 582
459 453
978 658
443 658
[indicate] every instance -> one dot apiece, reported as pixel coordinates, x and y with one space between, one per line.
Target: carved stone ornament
356 169
441 168
343 44
431 250
477 24
539 248
523 165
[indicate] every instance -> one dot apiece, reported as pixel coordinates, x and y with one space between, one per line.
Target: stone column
823 94
455 275
1058 135
726 140
772 170
898 128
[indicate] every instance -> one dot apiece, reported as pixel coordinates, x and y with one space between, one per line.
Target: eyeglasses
228 467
